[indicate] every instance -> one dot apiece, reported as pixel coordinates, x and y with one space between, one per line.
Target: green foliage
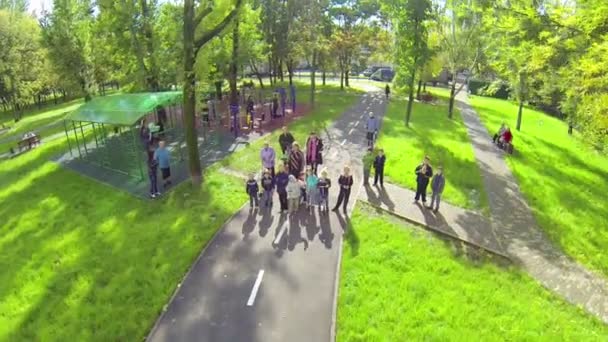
398 283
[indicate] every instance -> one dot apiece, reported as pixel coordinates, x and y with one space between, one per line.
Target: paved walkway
518 232
468 226
267 276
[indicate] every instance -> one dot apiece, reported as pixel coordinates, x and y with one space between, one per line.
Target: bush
497 89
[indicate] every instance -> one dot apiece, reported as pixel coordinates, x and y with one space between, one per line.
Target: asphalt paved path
298 255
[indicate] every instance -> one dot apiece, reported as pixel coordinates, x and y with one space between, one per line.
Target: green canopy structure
118 132
123 109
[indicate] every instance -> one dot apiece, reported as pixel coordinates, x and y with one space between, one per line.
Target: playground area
109 138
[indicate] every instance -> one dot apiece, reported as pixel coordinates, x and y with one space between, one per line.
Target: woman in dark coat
314 155
296 160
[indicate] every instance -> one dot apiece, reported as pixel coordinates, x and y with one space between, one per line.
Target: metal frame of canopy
101 135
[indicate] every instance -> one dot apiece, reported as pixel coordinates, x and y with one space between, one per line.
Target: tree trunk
570 128
410 103
424 86
254 68
346 83
218 90
280 70
234 96
270 70
419 89
519 113
452 96
152 70
194 162
341 79
522 90
313 78
323 76
290 71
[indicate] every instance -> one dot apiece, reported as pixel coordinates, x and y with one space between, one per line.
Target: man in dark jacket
281 180
424 172
437 186
285 140
379 167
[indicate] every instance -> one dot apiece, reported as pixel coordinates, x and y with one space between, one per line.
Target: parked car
383 75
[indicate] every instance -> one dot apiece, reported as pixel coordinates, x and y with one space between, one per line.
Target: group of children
307 189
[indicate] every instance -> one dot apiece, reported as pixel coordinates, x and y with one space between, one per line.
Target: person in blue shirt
162 157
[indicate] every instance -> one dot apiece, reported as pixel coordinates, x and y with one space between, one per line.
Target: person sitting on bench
501 131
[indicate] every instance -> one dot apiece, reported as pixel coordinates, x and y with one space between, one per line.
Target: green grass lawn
563 180
82 261
444 140
402 284
331 102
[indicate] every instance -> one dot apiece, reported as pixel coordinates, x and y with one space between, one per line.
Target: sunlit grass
82 261
563 180
402 284
445 141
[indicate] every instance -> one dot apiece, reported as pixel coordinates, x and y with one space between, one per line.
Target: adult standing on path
281 181
379 162
387 91
286 140
437 186
345 182
314 149
268 158
372 127
296 160
424 172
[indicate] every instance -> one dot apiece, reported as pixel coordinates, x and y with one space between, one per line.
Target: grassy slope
82 261
445 141
406 285
330 104
564 181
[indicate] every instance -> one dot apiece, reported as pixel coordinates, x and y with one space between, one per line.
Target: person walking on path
424 172
314 152
379 168
437 186
162 156
268 158
368 160
152 173
312 192
296 160
324 184
372 127
286 140
281 181
345 182
387 91
267 183
253 191
293 194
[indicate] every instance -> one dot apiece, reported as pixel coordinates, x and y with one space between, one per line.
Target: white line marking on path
281 232
343 142
357 123
256 286
351 131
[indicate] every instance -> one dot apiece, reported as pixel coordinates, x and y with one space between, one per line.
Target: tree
67 36
196 35
459 24
410 21
19 6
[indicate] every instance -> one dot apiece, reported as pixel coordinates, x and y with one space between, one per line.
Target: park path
269 277
517 231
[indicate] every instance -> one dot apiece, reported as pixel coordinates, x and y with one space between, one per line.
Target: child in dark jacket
268 187
324 184
252 190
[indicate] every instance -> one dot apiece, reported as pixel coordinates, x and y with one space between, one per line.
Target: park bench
28 142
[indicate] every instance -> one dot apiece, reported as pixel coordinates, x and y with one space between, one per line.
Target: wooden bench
28 143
